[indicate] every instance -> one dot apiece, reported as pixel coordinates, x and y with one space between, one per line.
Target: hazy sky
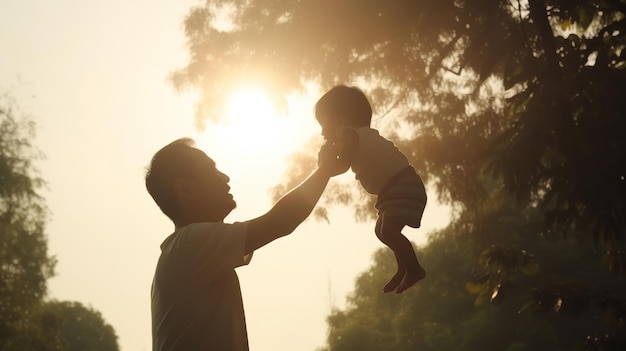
92 74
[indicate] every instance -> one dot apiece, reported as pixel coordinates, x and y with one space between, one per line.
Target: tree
530 91
27 320
63 326
70 326
24 262
444 312
503 106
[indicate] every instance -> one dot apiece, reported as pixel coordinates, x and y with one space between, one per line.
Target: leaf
529 305
475 288
496 294
530 268
558 304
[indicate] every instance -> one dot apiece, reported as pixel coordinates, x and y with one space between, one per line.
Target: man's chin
231 206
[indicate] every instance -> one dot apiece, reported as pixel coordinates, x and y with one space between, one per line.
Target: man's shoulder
210 228
193 233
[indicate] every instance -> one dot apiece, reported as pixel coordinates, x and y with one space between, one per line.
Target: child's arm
293 208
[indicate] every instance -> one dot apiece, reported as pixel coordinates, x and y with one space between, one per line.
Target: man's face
213 196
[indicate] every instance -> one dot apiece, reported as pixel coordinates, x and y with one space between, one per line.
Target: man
196 297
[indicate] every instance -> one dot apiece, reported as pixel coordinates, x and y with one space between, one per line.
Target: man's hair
174 161
348 102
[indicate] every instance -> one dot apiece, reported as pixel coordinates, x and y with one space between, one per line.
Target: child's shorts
403 198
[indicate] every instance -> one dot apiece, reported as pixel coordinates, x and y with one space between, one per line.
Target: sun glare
253 132
253 142
252 121
250 109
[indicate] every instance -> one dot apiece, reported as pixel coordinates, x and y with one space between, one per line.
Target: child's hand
328 160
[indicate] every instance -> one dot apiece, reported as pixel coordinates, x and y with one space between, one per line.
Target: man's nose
225 177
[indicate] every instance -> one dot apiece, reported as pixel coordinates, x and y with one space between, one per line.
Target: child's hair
350 103
174 161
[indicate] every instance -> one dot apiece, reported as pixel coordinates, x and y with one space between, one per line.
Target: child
344 114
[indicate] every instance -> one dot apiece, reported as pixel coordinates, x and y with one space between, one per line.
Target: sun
247 100
251 120
253 132
249 112
255 141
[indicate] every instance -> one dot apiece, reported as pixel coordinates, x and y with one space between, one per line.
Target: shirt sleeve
212 249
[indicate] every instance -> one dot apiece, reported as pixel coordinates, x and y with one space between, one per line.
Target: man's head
343 106
187 186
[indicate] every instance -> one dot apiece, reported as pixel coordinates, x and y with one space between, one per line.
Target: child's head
344 106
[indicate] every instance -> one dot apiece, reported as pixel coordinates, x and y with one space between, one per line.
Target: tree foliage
63 326
24 261
27 320
70 326
568 308
530 92
513 110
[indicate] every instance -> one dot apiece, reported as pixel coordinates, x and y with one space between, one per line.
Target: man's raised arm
294 207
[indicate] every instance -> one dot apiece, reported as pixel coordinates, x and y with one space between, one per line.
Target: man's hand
328 160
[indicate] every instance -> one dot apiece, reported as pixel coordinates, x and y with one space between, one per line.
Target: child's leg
391 232
401 270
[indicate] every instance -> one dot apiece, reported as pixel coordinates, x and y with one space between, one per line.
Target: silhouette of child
345 114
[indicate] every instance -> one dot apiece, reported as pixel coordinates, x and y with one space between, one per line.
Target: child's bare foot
410 278
395 281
